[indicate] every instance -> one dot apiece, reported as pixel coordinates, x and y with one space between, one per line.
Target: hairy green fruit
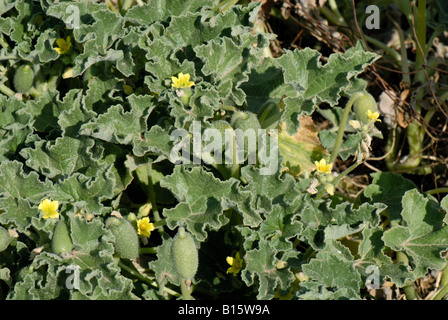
23 78
126 238
185 254
245 120
362 105
61 243
5 239
184 95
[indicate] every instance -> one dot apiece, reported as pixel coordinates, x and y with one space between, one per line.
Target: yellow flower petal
60 42
235 263
49 208
145 227
63 45
182 81
373 115
323 167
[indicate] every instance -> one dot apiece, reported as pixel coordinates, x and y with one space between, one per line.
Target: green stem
148 281
346 172
444 279
147 251
308 253
442 293
443 284
4 89
392 147
34 92
226 5
392 52
152 198
404 55
330 15
421 38
342 124
436 191
269 122
160 223
415 133
111 6
335 10
186 294
408 288
9 57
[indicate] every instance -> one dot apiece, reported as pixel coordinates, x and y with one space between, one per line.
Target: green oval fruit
61 243
5 239
245 120
126 238
184 95
23 78
361 106
185 254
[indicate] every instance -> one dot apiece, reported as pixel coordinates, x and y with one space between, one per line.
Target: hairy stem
152 198
421 38
342 124
147 280
186 294
6 90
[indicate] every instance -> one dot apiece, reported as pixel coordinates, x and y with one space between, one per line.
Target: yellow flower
145 227
322 166
63 45
49 208
373 116
235 263
182 81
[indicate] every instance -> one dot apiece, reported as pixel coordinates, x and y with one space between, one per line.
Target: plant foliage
94 134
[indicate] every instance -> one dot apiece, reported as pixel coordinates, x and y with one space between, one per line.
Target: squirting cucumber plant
90 129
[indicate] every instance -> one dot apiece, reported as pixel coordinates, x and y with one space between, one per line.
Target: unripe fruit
184 95
361 105
185 254
245 120
126 238
5 239
23 78
61 243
